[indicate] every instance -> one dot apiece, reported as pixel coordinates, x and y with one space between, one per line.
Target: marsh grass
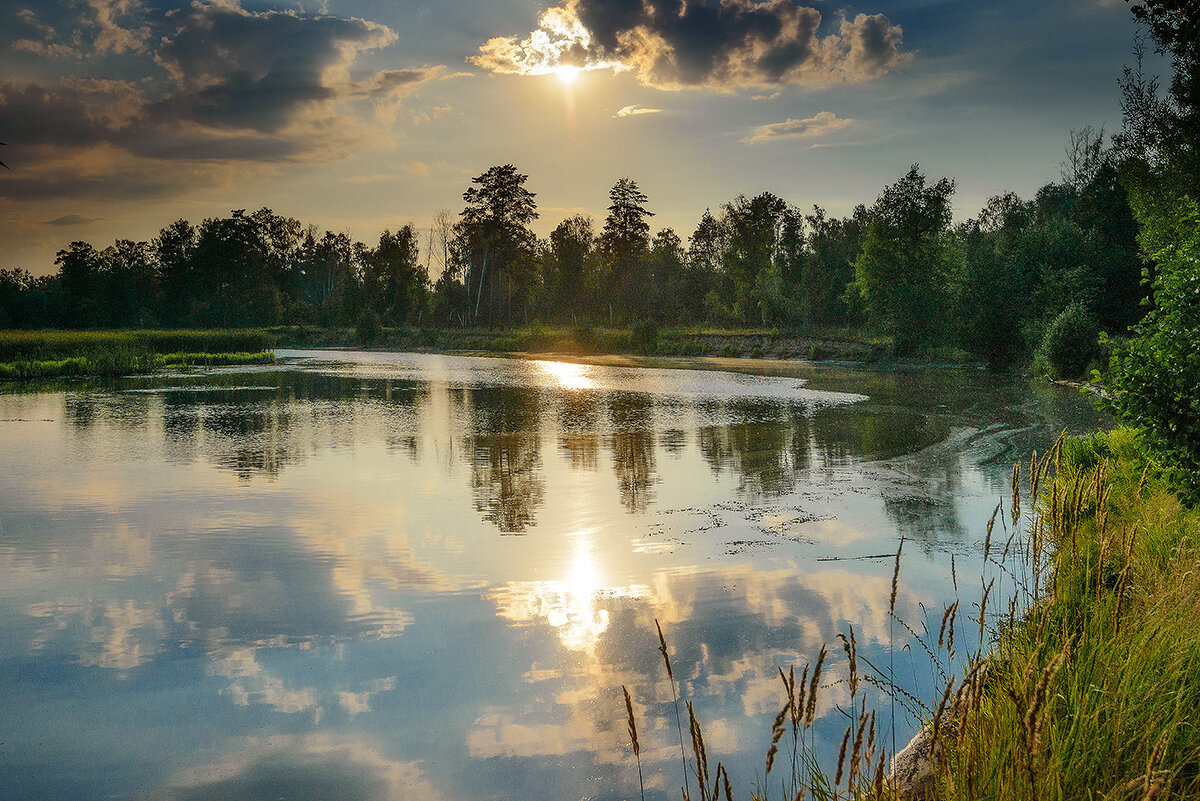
49 354
1086 682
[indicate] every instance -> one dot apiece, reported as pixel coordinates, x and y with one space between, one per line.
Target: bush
643 336
1153 379
368 327
1070 344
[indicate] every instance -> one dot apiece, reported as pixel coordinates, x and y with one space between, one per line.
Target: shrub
1071 343
1153 379
368 326
643 336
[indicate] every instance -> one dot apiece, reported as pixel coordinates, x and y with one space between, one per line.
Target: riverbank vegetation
1086 680
899 269
49 354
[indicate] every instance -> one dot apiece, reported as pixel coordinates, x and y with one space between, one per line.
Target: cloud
222 84
636 110
111 37
824 122
243 69
673 44
71 219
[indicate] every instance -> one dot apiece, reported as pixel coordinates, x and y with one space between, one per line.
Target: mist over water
398 576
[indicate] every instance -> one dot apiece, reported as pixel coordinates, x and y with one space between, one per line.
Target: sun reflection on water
573 605
568 376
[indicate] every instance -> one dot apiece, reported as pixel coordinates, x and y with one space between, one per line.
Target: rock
911 776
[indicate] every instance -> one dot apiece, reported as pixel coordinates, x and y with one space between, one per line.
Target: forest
1064 262
1053 281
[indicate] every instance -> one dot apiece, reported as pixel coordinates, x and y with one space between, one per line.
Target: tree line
993 284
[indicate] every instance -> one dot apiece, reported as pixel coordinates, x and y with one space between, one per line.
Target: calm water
403 576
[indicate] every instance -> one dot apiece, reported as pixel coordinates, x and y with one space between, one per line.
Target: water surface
371 576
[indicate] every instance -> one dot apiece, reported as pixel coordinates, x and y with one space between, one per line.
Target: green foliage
643 336
368 327
214 359
1153 379
53 345
903 272
1071 343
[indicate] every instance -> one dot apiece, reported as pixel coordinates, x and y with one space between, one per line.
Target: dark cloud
674 44
240 69
221 84
71 219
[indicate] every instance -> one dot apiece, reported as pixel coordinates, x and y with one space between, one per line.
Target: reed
633 738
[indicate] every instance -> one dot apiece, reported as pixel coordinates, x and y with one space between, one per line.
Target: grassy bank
47 354
1087 682
1096 691
582 340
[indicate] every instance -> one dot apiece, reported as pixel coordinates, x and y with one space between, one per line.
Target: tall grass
18 346
46 354
1086 683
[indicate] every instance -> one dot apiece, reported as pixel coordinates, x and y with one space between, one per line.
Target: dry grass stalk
776 735
699 751
877 784
987 541
1034 720
1123 582
941 710
950 610
633 738
850 646
842 755
1145 475
856 751
633 735
1016 494
1033 476
662 649
798 704
895 579
983 613
810 710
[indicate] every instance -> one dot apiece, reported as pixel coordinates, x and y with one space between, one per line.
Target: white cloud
636 110
823 123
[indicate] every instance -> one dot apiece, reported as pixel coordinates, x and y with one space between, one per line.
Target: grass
585 339
28 355
50 345
1086 684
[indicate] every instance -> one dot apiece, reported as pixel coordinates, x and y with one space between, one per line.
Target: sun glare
567 74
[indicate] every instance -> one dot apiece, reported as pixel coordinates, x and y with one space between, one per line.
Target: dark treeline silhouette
994 285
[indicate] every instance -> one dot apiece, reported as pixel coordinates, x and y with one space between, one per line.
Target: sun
566 73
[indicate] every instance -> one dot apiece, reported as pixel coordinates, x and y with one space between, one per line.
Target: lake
390 576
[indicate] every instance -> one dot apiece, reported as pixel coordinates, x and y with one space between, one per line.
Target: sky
119 116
